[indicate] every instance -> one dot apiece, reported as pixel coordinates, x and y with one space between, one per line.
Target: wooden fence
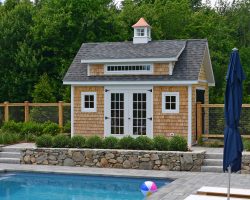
200 109
6 105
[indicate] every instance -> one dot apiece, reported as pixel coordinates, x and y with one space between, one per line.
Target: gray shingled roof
187 67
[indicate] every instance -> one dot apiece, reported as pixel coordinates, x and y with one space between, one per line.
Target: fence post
6 111
60 114
26 111
199 119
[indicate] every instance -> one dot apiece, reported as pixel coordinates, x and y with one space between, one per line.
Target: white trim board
190 116
164 83
72 111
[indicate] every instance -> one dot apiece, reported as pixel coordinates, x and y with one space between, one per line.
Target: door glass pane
139 113
117 113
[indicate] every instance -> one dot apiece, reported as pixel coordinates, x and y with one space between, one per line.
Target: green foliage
67 127
44 141
61 141
246 144
77 142
161 143
51 128
32 128
127 142
43 92
110 143
12 127
200 141
9 138
178 143
143 143
94 142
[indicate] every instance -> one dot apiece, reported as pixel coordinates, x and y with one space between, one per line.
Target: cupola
142 32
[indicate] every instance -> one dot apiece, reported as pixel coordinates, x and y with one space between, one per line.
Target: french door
128 112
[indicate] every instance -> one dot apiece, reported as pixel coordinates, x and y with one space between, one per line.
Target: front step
214 156
10 149
213 162
10 154
217 169
10 160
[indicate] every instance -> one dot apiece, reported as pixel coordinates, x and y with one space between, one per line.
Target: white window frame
177 97
128 72
139 30
83 94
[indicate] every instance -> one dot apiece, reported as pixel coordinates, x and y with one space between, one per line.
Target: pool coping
183 184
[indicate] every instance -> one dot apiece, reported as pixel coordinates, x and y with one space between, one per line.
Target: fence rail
210 120
26 109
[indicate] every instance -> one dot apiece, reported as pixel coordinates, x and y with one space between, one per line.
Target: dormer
142 32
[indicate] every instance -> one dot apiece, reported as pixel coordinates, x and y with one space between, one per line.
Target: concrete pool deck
184 184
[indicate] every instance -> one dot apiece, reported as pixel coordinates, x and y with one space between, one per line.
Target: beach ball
148 188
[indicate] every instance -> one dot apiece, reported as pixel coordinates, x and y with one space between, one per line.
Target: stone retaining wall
126 159
245 168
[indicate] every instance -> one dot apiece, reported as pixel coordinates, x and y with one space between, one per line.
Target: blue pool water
38 186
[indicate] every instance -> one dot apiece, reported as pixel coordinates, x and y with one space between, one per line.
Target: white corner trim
211 84
177 103
88 70
171 68
83 109
72 110
189 116
167 83
210 64
132 60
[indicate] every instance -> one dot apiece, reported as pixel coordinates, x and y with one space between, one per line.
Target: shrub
30 138
51 128
32 128
161 143
67 127
12 127
127 143
178 143
61 141
110 142
77 141
246 144
44 141
9 138
143 143
94 142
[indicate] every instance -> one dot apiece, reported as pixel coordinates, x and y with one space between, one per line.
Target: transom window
170 102
129 69
88 101
140 32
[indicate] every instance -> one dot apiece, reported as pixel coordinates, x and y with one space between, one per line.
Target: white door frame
128 128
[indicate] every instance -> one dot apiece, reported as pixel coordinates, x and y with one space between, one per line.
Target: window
140 32
88 101
170 102
129 69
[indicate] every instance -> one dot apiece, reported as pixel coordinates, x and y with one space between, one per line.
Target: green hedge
160 143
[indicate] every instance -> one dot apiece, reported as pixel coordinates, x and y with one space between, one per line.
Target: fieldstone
41 158
145 159
119 159
146 156
33 159
157 162
77 156
88 154
104 162
118 165
145 165
109 156
164 168
26 159
126 164
154 157
113 161
52 157
46 162
186 162
68 162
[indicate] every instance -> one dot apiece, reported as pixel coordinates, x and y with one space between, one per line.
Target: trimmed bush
44 141
161 143
178 143
67 127
246 144
77 141
32 128
127 142
110 142
12 127
94 142
144 143
9 138
61 141
51 128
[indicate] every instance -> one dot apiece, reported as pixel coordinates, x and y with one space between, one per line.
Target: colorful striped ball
148 188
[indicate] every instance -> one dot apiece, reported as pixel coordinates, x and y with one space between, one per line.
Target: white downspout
72 110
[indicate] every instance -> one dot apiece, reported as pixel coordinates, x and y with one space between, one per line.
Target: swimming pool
40 186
